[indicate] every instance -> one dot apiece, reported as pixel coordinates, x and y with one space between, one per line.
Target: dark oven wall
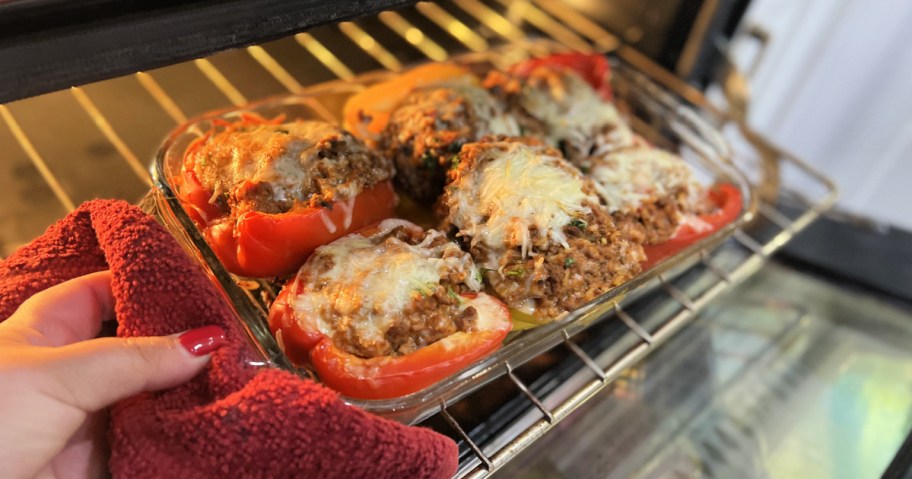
48 45
683 36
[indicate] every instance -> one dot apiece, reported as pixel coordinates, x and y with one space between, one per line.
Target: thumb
94 374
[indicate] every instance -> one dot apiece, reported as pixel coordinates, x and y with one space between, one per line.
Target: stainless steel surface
787 376
736 89
74 145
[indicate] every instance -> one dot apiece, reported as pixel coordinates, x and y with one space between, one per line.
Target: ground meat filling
427 130
274 168
429 319
656 218
603 254
651 188
556 271
348 287
557 105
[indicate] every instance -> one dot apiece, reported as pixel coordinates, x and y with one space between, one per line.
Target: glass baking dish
664 119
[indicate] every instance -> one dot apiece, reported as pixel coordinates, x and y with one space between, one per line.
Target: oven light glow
414 36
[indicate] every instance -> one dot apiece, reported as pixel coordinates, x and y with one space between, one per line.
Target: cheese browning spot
560 107
492 118
432 123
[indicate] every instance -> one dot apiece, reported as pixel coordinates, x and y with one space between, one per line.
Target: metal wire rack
434 32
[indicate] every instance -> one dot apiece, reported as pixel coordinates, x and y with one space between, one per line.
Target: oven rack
466 25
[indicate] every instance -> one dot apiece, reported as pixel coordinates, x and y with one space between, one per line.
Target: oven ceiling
47 45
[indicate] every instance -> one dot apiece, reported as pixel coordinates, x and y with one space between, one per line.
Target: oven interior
747 364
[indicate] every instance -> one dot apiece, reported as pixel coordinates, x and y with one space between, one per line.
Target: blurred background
831 85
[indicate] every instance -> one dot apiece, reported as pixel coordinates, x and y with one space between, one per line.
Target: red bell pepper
592 67
387 376
726 198
265 245
252 243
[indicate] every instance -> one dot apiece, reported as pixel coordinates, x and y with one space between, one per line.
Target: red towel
233 420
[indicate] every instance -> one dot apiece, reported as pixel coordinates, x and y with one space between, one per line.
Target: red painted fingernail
202 341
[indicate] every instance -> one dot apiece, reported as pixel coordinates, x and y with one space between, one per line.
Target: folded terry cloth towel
234 419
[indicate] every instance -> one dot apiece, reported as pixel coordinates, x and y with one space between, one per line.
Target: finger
93 374
66 313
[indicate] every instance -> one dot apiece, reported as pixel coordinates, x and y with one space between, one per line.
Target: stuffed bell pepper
537 228
565 100
267 193
387 311
422 118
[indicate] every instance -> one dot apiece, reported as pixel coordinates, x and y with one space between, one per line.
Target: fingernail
202 341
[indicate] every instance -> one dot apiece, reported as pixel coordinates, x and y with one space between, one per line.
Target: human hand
56 381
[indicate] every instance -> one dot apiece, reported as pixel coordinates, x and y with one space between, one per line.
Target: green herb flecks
578 223
569 262
429 161
516 272
426 289
452 294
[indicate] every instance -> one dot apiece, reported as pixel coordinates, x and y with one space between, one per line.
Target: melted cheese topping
292 159
572 110
373 279
282 150
490 311
493 120
695 223
514 190
625 178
